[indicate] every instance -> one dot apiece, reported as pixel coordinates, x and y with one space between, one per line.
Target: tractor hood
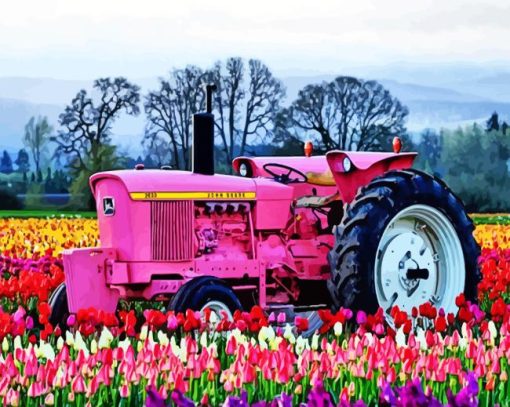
165 184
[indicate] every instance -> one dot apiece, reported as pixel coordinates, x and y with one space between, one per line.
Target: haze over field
446 61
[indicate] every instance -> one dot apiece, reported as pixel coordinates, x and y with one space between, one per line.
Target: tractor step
291 310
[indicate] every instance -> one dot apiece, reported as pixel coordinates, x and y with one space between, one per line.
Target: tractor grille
172 230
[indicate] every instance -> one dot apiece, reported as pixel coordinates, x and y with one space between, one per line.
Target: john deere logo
108 206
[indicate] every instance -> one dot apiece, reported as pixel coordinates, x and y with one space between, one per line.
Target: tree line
251 119
474 161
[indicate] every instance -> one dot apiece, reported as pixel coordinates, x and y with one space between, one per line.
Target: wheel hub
411 257
416 262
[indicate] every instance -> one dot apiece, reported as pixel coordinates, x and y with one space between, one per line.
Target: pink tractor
295 234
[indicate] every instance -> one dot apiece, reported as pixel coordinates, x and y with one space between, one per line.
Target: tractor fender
352 170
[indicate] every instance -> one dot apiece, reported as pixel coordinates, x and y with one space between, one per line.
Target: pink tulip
281 318
379 329
4 383
12 397
172 323
228 386
163 392
19 315
49 400
124 391
93 386
31 367
231 345
78 384
455 338
35 389
71 320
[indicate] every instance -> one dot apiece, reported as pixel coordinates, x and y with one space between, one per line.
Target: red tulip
301 324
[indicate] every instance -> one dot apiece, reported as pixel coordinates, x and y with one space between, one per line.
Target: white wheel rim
218 308
55 294
313 317
419 238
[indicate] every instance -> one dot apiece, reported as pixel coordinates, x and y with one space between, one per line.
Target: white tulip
315 341
338 328
400 338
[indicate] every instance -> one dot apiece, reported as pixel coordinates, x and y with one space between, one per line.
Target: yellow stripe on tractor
232 195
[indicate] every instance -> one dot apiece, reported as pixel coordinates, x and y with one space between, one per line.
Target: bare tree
86 123
245 109
157 149
170 110
37 136
346 114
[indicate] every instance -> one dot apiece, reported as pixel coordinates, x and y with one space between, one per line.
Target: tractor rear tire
408 212
203 292
59 307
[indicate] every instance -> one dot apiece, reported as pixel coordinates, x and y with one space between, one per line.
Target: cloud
85 38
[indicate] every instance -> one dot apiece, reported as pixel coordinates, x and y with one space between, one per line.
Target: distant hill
444 114
41 90
495 87
14 114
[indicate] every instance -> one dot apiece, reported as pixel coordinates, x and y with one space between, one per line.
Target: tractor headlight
346 163
243 170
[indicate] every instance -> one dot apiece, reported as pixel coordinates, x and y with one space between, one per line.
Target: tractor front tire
206 292
59 307
404 240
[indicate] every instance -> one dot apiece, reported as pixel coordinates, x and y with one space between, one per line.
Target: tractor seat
314 201
321 178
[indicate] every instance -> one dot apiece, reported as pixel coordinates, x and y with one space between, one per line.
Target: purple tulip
29 323
347 313
282 400
409 395
233 401
154 399
180 400
319 397
361 317
468 396
172 323
387 397
477 312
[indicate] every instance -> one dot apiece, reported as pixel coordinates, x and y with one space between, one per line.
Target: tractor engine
222 230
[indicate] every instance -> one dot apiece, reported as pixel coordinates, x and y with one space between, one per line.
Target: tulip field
145 355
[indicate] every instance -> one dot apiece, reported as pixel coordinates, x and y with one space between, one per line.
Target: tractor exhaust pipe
203 137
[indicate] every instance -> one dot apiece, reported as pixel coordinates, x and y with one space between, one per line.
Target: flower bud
5 345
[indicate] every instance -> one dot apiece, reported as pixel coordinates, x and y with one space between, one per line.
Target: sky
85 39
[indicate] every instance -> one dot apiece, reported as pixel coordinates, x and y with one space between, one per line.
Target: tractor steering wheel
284 178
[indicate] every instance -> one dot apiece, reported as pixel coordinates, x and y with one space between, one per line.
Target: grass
478 218
46 214
490 218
